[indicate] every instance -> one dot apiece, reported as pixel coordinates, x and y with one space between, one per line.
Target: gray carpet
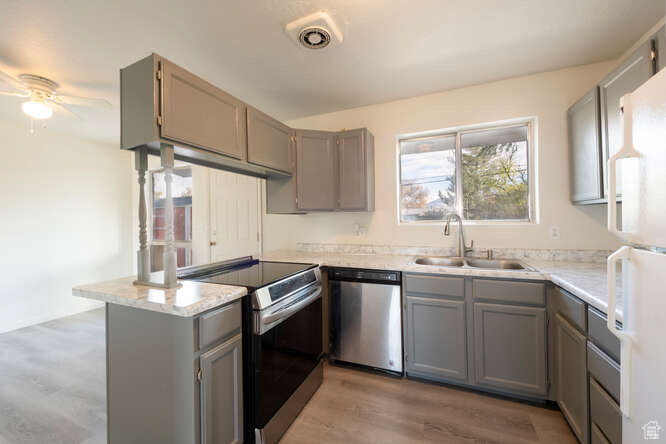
53 382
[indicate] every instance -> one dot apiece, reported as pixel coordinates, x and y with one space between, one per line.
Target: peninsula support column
170 280
143 254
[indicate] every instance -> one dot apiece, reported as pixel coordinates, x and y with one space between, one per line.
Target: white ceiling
391 50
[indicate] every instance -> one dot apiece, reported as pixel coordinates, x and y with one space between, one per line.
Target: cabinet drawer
509 291
219 324
605 413
569 307
597 436
605 371
600 335
434 285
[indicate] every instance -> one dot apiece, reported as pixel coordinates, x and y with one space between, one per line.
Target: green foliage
494 183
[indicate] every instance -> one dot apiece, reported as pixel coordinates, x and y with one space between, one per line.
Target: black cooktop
251 274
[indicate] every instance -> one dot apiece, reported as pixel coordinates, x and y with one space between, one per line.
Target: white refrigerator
643 231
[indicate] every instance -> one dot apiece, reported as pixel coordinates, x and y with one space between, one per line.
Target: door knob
213 243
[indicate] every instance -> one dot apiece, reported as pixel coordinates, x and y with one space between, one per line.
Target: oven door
286 347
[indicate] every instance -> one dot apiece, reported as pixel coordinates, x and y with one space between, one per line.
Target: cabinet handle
625 152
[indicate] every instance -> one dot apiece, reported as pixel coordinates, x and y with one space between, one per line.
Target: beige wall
545 96
65 220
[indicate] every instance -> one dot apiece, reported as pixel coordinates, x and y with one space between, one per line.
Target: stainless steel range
282 335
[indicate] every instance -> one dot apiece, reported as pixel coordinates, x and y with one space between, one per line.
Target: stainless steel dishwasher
366 318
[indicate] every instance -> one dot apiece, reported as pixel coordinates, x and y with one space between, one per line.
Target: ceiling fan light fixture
37 110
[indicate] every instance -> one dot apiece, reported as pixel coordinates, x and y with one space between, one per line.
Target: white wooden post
170 280
143 254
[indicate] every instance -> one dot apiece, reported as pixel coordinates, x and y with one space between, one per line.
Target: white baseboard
45 317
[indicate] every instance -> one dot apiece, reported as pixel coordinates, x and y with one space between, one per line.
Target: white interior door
235 216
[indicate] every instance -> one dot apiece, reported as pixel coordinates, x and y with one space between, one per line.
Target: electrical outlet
555 233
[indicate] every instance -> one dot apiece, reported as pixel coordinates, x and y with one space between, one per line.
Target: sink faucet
462 248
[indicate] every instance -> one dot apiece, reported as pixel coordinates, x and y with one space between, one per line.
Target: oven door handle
291 309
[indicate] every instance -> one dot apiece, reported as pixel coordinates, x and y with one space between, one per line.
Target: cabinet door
436 338
316 172
352 182
585 148
660 48
510 348
269 142
631 74
571 374
199 114
222 393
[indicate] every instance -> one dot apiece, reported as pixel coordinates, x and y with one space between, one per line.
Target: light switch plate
554 232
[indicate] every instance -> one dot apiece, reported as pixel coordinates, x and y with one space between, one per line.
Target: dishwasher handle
370 276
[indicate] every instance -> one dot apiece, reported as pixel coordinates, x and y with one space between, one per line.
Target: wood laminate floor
52 390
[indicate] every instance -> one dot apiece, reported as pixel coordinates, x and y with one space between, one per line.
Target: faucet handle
471 246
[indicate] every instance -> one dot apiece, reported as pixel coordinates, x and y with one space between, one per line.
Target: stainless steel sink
504 264
470 262
440 261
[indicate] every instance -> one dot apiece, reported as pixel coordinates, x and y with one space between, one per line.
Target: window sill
469 223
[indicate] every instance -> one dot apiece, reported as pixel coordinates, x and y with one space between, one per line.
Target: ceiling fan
43 96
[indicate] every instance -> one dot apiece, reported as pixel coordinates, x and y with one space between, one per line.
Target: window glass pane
495 175
183 257
182 202
428 160
427 201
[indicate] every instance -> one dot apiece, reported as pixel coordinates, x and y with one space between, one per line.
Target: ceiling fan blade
15 94
82 101
15 83
63 107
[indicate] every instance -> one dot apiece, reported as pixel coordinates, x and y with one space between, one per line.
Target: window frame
530 123
149 223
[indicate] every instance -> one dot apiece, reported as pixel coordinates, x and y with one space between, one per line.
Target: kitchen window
483 174
181 188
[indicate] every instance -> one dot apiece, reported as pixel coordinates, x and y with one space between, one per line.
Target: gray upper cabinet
585 156
222 394
316 171
436 343
510 348
269 142
333 172
356 170
199 114
571 375
594 122
632 73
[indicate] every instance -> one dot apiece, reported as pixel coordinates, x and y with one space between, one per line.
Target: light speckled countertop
585 280
190 299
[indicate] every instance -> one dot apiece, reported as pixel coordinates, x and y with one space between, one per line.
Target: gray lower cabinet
585 156
173 379
632 73
269 142
510 348
222 393
571 375
436 338
316 170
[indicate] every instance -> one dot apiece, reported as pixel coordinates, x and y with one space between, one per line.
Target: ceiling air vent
314 31
314 37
